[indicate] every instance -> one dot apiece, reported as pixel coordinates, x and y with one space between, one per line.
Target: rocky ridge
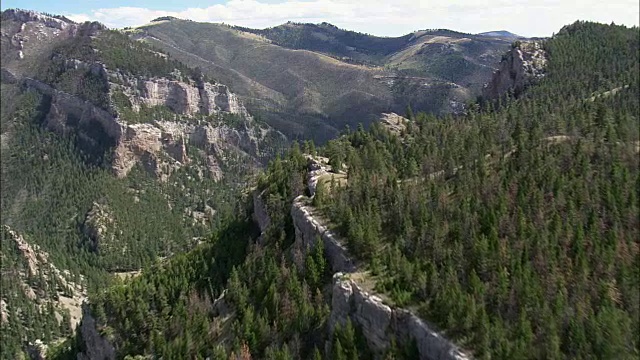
381 323
522 66
67 296
196 110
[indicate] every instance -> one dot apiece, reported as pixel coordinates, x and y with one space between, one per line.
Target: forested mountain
512 230
114 157
310 81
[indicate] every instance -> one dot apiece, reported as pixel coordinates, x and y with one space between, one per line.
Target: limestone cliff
135 119
381 323
309 227
161 145
523 65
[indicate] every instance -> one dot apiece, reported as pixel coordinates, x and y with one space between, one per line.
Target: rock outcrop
381 323
309 228
184 97
34 16
187 110
260 213
97 225
317 166
97 347
160 146
66 297
522 66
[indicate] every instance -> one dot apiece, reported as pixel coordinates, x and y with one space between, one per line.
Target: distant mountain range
311 80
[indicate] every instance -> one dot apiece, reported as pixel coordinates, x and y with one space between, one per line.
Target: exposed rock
395 123
260 214
523 65
215 172
66 297
145 143
96 347
185 97
4 313
316 167
381 323
34 16
98 225
309 228
37 350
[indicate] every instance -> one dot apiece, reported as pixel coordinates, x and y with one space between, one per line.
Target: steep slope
114 156
311 80
511 231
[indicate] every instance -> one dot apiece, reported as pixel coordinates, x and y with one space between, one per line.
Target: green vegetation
527 253
512 228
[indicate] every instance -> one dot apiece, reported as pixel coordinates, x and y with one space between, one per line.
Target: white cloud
391 18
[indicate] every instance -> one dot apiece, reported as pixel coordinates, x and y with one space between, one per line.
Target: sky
377 17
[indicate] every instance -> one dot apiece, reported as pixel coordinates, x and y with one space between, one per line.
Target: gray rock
520 67
308 228
380 323
260 214
96 347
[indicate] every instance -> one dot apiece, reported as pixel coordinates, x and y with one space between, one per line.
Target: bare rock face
34 16
260 214
98 221
381 323
309 228
4 313
316 167
96 346
523 65
184 97
159 146
28 32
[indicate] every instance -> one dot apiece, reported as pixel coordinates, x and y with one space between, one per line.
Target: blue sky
378 17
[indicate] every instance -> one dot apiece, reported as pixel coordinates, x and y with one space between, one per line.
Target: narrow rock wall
380 322
309 229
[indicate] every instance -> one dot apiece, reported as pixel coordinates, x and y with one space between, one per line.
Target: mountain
311 81
501 34
114 156
509 232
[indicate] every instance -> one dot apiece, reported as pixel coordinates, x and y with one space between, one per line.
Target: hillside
114 156
310 81
510 232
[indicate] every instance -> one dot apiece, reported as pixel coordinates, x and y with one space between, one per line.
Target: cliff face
309 228
96 346
185 111
59 291
381 323
161 145
184 97
523 65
